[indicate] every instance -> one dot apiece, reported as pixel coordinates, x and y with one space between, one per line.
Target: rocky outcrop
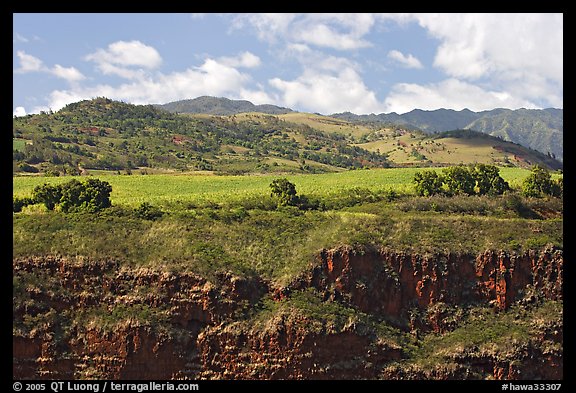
76 318
288 349
390 283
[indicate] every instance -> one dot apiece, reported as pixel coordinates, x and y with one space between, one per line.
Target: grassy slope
450 151
326 124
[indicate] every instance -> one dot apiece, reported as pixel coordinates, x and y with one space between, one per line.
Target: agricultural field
161 188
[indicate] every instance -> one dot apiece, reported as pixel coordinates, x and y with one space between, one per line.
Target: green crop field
134 189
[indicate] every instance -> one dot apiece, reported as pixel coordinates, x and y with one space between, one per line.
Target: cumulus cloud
481 62
244 59
408 61
481 44
70 74
19 111
327 91
268 26
28 63
323 35
337 31
210 78
518 55
450 93
127 59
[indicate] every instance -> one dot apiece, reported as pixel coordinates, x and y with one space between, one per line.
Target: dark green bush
148 212
48 195
428 183
19 203
540 183
459 180
488 180
285 191
92 195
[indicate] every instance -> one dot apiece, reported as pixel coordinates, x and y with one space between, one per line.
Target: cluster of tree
91 195
484 179
540 183
478 179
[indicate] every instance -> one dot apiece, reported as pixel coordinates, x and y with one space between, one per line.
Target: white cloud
317 90
269 27
127 59
408 61
481 44
521 54
19 111
28 63
323 35
337 31
451 93
210 78
244 59
70 74
19 38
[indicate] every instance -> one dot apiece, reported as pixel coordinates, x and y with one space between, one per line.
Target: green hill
538 129
105 135
102 134
220 106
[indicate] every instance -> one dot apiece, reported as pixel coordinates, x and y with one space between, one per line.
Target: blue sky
326 63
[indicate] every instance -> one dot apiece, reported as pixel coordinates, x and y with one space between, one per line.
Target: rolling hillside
105 135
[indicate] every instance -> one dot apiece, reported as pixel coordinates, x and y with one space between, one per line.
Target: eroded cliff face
390 283
77 318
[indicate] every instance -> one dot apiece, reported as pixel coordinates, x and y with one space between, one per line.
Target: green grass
162 188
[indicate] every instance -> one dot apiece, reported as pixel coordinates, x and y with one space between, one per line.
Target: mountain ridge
221 106
538 129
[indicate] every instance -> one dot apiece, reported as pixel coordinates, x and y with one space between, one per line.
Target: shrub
48 195
459 180
488 180
540 183
148 212
285 191
428 183
19 203
92 195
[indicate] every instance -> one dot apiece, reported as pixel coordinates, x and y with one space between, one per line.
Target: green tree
19 203
540 183
285 191
428 183
47 194
92 195
459 179
488 180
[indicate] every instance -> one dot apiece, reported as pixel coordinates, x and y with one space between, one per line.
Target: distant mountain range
538 129
220 106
